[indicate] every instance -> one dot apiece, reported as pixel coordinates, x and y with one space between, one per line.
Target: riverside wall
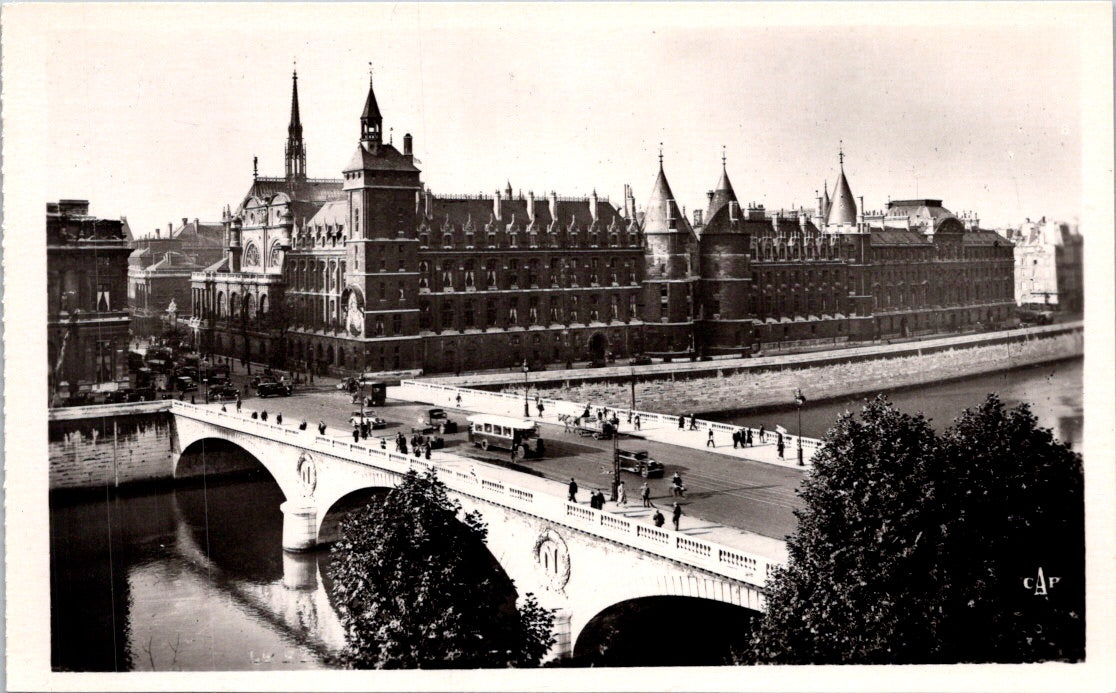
772 386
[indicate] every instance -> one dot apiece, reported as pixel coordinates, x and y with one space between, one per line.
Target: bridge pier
300 526
300 571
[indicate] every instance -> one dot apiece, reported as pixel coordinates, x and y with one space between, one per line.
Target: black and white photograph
548 346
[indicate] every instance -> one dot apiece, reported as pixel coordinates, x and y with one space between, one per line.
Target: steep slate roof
887 236
332 213
386 158
460 210
984 237
315 190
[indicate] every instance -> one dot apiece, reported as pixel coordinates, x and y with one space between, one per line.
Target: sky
154 112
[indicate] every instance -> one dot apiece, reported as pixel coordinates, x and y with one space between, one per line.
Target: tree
913 548
417 588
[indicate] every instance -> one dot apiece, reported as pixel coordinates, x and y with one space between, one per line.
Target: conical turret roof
662 211
843 208
825 199
722 195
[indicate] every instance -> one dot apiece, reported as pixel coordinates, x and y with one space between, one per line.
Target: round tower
724 286
668 279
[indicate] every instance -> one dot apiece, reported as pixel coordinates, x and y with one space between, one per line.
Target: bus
505 432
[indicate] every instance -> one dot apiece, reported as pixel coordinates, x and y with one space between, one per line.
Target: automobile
592 426
598 363
369 417
639 462
349 384
116 396
435 419
185 383
221 392
141 394
273 389
640 360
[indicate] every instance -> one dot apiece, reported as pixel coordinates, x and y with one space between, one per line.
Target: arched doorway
598 348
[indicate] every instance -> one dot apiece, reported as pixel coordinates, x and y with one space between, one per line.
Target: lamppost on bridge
526 408
799 400
615 464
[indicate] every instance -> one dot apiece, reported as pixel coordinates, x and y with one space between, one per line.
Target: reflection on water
1054 391
190 579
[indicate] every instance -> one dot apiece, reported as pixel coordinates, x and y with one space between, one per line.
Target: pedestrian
302 426
426 450
541 408
780 446
223 408
255 415
762 433
458 400
417 450
513 453
735 439
192 400
621 494
238 404
637 422
693 422
645 495
681 422
279 418
383 443
263 415
321 427
659 519
748 434
573 490
709 441
676 515
403 445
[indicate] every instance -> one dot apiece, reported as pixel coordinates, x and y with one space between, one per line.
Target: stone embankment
772 388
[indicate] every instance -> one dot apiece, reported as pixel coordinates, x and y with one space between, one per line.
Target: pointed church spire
371 122
296 146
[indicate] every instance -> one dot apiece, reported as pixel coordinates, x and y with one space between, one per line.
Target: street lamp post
526 409
799 400
615 465
631 409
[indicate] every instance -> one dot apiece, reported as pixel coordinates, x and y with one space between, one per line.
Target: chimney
860 211
157 232
170 228
429 202
697 217
593 204
709 195
184 221
627 205
196 224
531 206
407 142
554 205
496 205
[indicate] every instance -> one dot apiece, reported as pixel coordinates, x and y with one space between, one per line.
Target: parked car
221 392
639 462
640 360
141 394
349 384
273 389
370 418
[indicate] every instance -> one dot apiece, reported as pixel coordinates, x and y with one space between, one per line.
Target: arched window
234 305
263 305
220 304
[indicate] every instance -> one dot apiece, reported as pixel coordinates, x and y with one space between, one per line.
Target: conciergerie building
373 271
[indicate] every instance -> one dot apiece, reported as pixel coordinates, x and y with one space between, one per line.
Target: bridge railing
440 394
713 557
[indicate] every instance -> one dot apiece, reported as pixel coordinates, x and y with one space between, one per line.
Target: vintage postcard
546 346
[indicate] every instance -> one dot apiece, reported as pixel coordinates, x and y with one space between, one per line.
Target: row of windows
559 272
513 239
537 310
232 305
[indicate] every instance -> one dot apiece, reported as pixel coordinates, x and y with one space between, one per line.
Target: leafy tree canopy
416 587
915 548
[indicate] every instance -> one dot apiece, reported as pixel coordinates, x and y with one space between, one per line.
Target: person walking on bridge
573 490
238 404
621 494
676 515
659 519
709 441
645 495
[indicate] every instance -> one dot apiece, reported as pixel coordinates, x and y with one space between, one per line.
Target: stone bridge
577 560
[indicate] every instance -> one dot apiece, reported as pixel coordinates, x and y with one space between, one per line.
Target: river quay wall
765 388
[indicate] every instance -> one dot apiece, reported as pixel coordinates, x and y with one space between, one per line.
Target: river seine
193 577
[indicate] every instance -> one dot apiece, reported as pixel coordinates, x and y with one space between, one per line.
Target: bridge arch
645 631
329 522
